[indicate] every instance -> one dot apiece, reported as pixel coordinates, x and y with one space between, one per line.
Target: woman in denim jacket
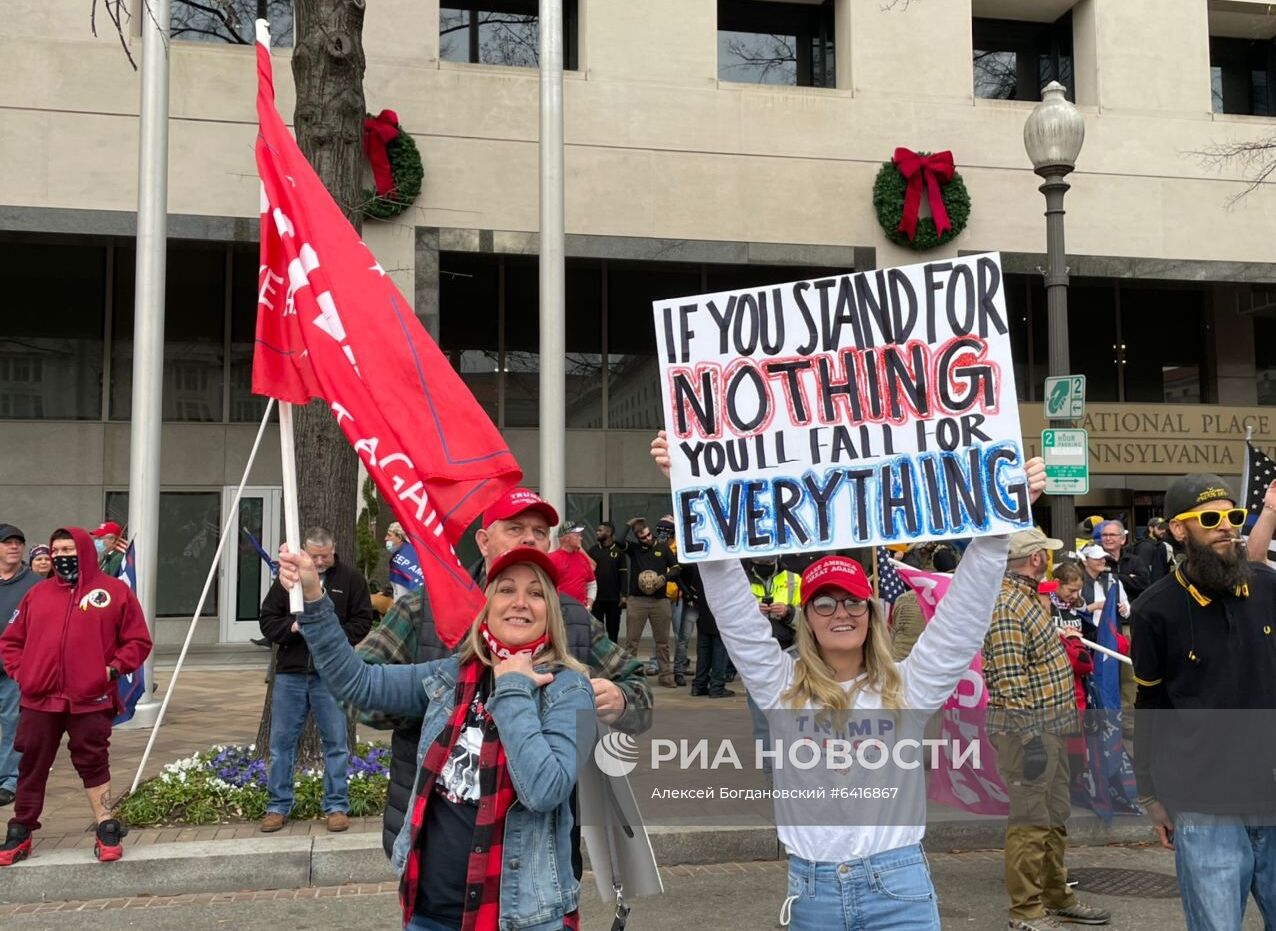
488 842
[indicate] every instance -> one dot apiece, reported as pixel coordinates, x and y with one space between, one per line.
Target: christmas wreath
897 197
396 166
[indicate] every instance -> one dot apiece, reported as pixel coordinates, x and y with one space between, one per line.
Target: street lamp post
1053 135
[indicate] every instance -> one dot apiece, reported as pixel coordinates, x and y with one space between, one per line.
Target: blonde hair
814 681
555 655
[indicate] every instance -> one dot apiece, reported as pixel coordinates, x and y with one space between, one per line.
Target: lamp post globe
1053 135
1054 132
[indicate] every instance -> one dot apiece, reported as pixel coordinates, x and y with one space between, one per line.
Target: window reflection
1013 60
500 32
1242 75
194 321
765 42
51 349
230 21
189 525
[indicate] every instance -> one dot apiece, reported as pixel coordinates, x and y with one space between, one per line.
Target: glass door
246 577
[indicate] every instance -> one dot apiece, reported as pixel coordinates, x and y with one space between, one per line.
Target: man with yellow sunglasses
1205 663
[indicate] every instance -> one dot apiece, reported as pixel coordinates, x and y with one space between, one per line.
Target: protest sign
843 412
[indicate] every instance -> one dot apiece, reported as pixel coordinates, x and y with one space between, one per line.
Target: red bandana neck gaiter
500 651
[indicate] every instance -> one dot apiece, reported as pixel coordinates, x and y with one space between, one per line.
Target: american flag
889 583
132 686
1260 471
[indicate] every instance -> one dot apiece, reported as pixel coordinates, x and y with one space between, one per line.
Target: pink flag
975 789
332 325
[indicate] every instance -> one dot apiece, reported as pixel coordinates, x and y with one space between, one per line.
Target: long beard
1212 572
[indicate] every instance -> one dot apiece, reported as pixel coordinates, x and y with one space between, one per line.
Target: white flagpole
227 532
553 339
1104 650
1249 437
292 518
145 429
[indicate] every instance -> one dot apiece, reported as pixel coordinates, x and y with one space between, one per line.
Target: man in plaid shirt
406 635
1031 707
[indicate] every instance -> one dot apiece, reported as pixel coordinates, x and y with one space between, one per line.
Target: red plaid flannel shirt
496 795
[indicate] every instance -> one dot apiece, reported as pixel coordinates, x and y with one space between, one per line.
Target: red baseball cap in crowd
835 572
523 554
517 501
106 527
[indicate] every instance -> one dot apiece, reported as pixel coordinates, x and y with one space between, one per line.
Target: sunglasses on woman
1211 519
826 606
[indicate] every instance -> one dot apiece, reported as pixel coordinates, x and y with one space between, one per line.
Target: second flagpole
292 517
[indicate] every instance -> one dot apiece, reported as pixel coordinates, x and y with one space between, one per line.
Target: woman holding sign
497 753
844 875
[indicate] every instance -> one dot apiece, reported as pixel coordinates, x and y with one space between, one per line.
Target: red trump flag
332 325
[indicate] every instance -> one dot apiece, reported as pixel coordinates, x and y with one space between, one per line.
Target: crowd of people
481 817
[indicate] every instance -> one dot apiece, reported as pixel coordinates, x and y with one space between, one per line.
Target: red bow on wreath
377 132
936 169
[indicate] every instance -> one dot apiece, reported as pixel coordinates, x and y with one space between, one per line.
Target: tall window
1265 357
51 342
189 524
1013 60
231 21
500 32
194 324
776 42
1243 76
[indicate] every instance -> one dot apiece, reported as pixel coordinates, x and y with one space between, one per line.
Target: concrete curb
161 869
297 862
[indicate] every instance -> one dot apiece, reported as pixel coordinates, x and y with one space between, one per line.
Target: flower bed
227 784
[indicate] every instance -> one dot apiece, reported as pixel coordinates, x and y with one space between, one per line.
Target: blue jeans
9 757
1220 860
889 891
295 695
684 628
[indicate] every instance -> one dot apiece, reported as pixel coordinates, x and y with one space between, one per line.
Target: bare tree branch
113 9
1256 159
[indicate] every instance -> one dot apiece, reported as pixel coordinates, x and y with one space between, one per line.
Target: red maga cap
106 527
523 554
515 502
835 572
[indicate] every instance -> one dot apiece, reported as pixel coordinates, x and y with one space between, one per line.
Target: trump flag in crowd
131 686
973 786
332 325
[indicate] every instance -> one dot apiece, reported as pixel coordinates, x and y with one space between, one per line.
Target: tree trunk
327 66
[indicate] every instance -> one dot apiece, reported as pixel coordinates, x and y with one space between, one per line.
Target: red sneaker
17 845
110 841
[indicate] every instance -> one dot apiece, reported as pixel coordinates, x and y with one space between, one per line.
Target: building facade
710 144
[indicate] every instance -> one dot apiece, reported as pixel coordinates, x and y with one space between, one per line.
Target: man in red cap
406 635
72 636
106 540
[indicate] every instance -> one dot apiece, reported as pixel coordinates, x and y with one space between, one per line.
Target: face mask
389 546
67 567
100 546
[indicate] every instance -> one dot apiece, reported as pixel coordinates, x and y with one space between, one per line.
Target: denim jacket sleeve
540 737
393 689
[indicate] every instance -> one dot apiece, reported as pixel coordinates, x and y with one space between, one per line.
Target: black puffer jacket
351 600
